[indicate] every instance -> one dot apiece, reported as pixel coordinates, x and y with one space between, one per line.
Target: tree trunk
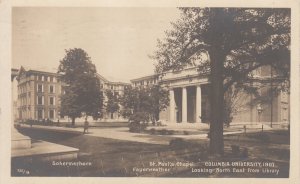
73 121
217 102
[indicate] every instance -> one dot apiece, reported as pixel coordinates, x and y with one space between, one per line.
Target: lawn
109 157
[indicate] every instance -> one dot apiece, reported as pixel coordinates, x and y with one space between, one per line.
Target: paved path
122 133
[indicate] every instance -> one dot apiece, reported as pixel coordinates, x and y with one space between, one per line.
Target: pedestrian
85 126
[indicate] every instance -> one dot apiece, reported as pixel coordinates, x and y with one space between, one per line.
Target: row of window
145 82
40 88
24 101
41 101
40 114
46 78
24 87
113 87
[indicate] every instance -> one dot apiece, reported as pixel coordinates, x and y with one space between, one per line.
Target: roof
111 82
144 78
22 69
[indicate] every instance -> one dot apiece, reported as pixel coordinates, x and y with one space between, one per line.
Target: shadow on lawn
115 158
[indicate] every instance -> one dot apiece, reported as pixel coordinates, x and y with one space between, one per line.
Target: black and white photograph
151 92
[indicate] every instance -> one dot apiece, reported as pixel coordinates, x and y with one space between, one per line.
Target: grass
115 158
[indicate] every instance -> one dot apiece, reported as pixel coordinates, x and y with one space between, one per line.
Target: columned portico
188 92
185 104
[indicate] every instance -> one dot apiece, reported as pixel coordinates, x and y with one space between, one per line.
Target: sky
118 40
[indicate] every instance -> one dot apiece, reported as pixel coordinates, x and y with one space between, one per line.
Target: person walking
85 126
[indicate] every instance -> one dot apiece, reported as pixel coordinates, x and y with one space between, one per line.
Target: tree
159 100
112 103
144 103
82 87
237 41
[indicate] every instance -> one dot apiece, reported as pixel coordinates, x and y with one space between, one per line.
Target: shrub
137 127
139 117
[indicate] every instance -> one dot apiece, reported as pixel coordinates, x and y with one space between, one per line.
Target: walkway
122 133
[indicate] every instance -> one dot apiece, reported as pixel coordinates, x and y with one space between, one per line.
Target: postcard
143 92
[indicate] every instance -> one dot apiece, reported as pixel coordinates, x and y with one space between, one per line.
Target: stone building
39 95
189 98
117 88
39 92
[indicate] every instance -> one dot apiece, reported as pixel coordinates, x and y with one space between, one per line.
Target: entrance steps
45 151
22 147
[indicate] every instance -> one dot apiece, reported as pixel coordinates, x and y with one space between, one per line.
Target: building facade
39 95
117 89
189 98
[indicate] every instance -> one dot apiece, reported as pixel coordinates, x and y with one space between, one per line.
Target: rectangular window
51 89
40 88
51 100
40 114
39 77
51 79
40 100
46 78
51 114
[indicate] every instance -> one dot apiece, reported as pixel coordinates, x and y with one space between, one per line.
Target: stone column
172 106
184 105
198 104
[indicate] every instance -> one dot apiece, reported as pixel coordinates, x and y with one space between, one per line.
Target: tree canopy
147 101
82 94
112 102
236 42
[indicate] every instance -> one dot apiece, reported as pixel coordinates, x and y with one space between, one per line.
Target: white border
5 102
